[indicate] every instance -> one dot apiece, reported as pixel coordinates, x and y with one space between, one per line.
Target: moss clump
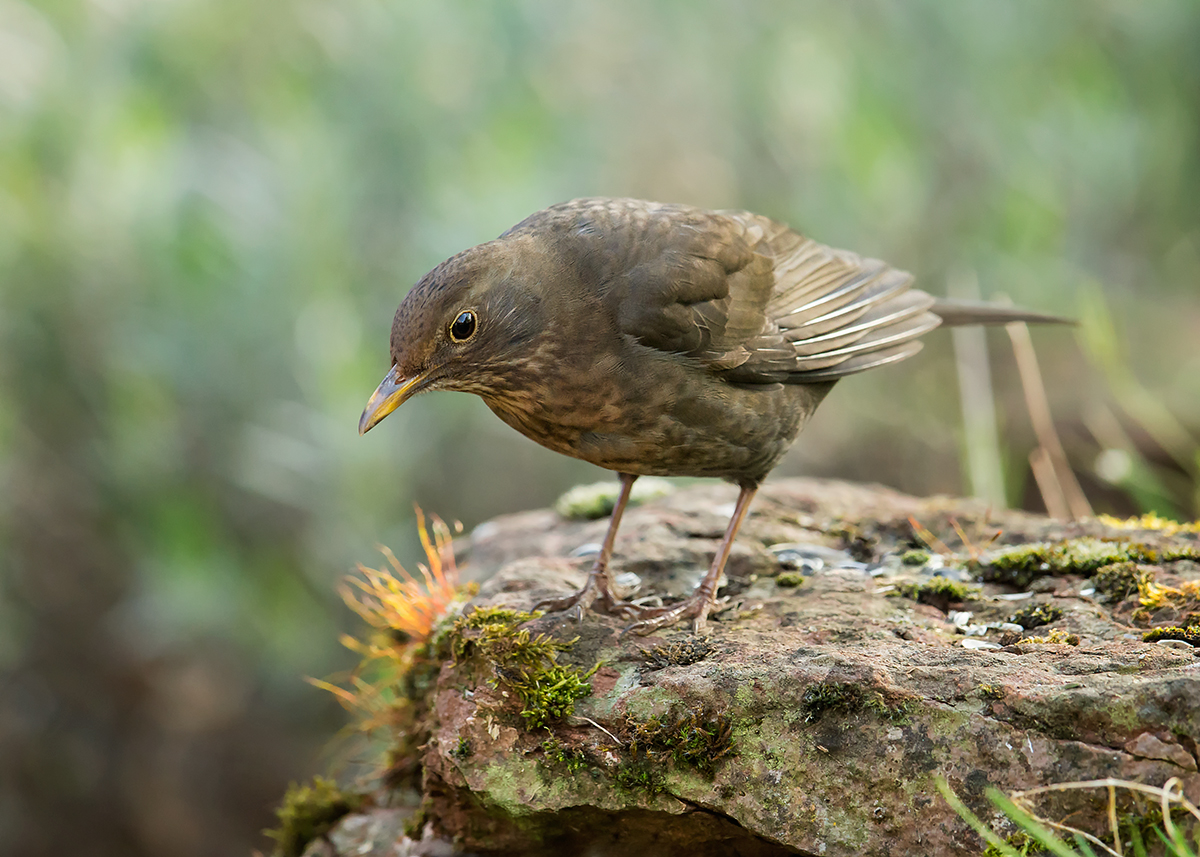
462 749
789 578
589 502
1021 566
1036 615
1150 521
1191 634
1120 580
688 739
551 694
640 776
679 653
1055 636
1024 844
525 664
938 591
1182 599
843 699
558 754
914 557
308 812
990 691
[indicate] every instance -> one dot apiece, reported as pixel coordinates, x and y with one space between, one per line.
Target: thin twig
1043 421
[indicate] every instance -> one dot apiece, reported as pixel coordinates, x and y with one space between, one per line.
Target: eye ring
464 326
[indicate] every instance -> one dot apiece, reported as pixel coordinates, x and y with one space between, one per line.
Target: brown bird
657 339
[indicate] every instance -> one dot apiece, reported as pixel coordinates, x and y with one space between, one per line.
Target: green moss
1024 844
990 691
1120 580
678 653
640 776
1190 634
550 693
1055 636
1021 566
462 749
557 754
308 812
789 578
939 591
843 699
914 557
414 825
1036 615
523 663
589 502
687 739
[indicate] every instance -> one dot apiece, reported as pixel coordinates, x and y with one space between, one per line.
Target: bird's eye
463 327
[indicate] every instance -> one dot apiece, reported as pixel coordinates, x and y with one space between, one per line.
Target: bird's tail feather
955 313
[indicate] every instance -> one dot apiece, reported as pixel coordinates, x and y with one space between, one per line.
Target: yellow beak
391 393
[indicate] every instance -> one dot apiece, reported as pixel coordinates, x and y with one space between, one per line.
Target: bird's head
470 324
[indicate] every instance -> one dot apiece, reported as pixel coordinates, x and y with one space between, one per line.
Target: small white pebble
960 618
626 583
1176 644
1011 626
484 531
972 643
1014 596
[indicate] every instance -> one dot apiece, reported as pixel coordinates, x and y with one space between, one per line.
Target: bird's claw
578 603
698 606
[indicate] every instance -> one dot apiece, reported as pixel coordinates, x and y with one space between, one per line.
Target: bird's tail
955 313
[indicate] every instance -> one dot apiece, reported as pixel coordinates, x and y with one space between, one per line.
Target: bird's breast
650 413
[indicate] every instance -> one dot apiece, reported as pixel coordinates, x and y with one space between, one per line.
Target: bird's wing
840 312
674 278
743 296
746 297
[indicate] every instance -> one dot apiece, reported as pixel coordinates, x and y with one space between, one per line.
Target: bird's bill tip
391 393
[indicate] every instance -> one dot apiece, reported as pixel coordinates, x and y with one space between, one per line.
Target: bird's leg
599 583
701 600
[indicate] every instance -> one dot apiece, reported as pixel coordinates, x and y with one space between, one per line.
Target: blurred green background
209 210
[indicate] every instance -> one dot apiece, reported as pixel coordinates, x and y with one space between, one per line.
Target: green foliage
679 652
914 557
695 740
573 760
938 591
1021 566
1036 615
640 775
1191 634
843 699
1035 839
523 663
1120 580
589 502
462 749
308 812
789 579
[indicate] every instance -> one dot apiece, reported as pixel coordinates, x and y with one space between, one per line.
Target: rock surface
815 717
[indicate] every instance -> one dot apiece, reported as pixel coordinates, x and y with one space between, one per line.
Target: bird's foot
594 592
698 605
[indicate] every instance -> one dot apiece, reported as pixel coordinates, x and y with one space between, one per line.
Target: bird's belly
669 426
